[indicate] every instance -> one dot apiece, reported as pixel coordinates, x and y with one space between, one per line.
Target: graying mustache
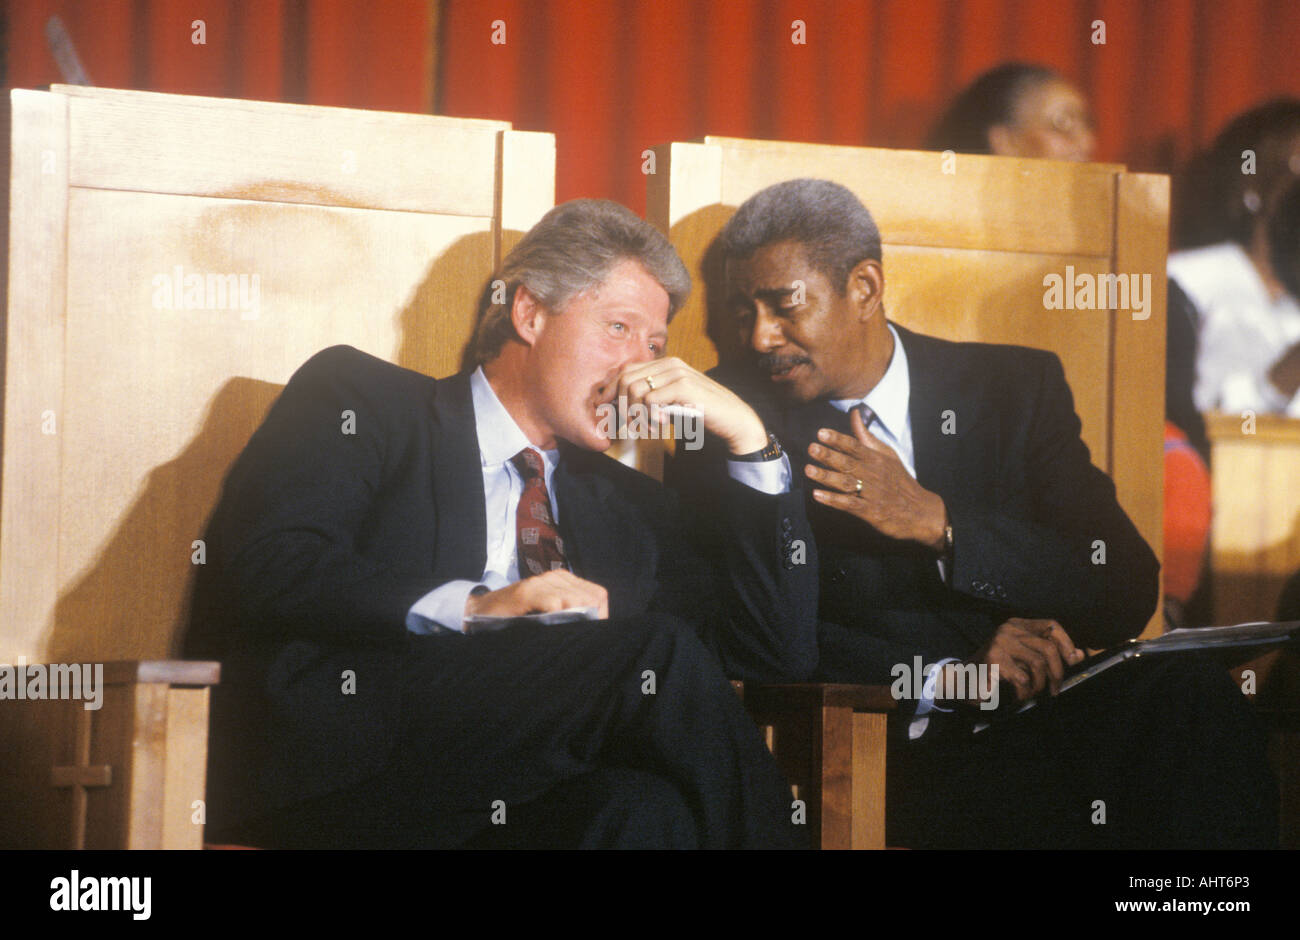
772 363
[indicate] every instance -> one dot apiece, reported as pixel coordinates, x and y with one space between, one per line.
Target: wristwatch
770 452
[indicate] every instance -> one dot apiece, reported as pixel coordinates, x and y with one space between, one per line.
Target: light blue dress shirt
499 439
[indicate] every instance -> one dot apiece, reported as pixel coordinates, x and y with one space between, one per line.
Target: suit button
1002 592
977 586
838 575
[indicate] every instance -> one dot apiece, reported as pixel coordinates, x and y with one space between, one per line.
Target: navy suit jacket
1026 504
322 540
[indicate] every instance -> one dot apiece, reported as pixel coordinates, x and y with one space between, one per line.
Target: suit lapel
461 543
934 382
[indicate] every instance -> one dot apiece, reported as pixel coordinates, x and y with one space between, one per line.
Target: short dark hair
985 103
571 250
831 224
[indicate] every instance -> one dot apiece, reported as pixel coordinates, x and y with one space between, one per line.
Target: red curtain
331 52
613 77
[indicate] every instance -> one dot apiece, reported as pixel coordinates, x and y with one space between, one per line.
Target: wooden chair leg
829 741
127 775
869 780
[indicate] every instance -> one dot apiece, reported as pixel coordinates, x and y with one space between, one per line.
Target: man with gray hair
957 515
466 626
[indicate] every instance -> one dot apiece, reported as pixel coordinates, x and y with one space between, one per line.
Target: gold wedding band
650 380
857 490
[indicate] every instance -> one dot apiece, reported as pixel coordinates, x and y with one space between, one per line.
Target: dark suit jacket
322 540
1025 502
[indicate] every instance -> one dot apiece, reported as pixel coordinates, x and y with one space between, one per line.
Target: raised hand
670 381
862 476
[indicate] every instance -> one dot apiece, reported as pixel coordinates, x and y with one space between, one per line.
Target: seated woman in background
1248 356
1018 110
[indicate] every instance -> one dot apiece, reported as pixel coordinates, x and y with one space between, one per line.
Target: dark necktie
536 539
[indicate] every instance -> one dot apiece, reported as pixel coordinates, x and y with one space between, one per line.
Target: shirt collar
499 437
889 398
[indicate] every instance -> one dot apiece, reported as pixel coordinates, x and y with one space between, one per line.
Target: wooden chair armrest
178 672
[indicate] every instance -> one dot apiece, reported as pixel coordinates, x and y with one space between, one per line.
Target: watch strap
771 451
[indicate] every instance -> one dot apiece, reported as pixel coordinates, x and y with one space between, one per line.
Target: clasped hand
671 381
1032 655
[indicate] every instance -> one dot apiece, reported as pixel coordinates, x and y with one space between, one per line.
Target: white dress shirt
892 424
1243 330
889 400
499 439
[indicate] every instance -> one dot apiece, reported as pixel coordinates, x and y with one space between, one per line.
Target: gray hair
831 224
571 250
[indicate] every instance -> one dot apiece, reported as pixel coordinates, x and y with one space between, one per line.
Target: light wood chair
1255 532
1254 549
967 243
172 261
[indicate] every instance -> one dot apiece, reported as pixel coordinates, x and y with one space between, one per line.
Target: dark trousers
607 734
1153 754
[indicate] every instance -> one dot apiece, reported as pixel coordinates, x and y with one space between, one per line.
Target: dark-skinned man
957 516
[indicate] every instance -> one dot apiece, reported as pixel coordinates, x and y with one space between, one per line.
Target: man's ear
528 315
866 287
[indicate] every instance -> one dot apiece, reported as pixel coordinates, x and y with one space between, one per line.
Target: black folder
1234 645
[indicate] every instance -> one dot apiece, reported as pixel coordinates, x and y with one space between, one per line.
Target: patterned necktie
536 539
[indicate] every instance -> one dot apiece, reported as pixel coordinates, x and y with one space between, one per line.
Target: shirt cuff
766 476
442 610
925 705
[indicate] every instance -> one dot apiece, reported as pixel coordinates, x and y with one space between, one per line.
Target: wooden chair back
172 261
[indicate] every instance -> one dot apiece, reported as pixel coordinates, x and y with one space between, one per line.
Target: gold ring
857 490
650 380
